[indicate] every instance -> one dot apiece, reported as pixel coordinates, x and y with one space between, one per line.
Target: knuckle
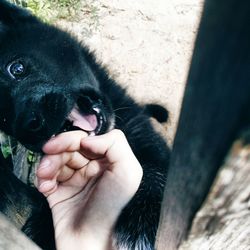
71 157
119 134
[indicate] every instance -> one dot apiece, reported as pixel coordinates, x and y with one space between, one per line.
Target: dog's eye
16 69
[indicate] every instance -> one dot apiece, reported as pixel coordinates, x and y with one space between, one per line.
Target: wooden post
215 107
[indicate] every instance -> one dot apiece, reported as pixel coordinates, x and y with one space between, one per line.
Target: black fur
157 111
59 74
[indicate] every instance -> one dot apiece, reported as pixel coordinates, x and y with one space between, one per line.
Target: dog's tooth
97 110
92 133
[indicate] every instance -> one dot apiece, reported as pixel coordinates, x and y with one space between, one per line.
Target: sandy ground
146 45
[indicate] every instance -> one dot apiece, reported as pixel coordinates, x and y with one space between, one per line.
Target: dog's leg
136 227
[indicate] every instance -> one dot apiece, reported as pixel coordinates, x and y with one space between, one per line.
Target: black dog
49 84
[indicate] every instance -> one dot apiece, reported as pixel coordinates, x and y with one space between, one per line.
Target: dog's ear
11 14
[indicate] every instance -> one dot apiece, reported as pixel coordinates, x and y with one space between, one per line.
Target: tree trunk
215 109
224 220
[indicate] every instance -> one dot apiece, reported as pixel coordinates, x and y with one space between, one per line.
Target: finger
47 186
113 145
93 169
65 174
113 150
81 177
52 164
68 176
68 141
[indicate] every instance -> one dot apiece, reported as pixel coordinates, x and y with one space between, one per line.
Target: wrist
84 241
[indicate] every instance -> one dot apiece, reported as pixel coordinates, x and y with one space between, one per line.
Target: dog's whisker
122 108
116 116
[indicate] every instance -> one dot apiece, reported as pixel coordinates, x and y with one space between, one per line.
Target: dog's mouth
93 123
90 114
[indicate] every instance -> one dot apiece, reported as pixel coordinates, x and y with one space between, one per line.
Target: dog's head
48 83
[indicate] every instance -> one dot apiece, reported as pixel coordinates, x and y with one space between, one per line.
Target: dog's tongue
85 122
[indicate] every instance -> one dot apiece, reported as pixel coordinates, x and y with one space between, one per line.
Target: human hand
87 182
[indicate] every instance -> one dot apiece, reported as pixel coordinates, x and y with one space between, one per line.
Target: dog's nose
37 119
34 123
30 129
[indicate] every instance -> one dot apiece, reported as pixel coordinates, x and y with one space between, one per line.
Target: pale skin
87 181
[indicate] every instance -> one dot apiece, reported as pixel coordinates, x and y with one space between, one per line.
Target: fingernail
46 186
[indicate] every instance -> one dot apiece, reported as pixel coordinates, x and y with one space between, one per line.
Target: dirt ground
146 45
